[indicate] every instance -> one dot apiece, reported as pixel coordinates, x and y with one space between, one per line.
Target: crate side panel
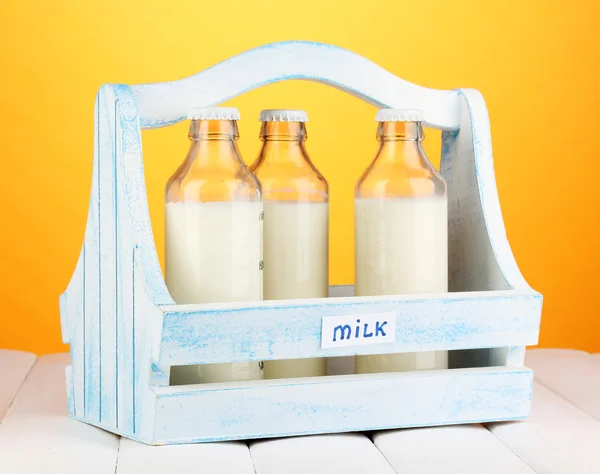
140 285
479 253
271 330
341 404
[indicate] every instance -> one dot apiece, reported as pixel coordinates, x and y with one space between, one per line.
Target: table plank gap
213 458
15 366
442 449
558 437
37 435
596 359
349 453
573 375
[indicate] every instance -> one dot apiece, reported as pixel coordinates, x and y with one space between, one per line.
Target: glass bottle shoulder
226 180
293 180
407 176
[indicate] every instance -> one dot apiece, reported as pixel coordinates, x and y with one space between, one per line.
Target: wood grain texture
73 329
479 255
228 332
125 342
92 298
327 454
448 449
37 435
264 409
571 374
558 438
214 458
107 149
166 103
14 368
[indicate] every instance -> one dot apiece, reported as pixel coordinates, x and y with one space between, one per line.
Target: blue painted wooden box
126 332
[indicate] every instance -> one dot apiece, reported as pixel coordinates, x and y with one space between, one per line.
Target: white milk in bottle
296 224
295 249
213 222
401 230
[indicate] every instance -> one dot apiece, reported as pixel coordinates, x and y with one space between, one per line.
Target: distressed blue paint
167 103
135 196
361 403
106 160
220 335
92 296
125 330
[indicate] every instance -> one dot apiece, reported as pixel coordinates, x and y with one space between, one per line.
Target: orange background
532 60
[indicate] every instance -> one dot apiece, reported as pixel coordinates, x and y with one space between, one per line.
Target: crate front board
125 331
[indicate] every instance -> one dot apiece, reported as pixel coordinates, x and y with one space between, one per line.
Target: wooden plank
479 255
326 454
91 281
261 409
73 327
444 449
14 368
222 332
571 374
213 458
146 318
558 438
37 435
125 300
107 148
166 103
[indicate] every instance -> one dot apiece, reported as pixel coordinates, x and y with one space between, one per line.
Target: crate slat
264 409
222 333
108 148
125 299
92 300
73 333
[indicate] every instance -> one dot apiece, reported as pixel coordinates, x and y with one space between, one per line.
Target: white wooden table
561 436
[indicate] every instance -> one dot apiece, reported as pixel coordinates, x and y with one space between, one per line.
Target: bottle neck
213 142
283 142
401 143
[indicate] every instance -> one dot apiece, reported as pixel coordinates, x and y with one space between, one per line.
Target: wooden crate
125 331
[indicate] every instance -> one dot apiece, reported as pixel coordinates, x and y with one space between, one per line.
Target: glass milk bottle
214 231
296 224
401 229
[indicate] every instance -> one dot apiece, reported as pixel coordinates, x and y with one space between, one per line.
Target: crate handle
166 103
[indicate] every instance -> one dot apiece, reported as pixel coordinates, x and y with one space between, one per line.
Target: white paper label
358 330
